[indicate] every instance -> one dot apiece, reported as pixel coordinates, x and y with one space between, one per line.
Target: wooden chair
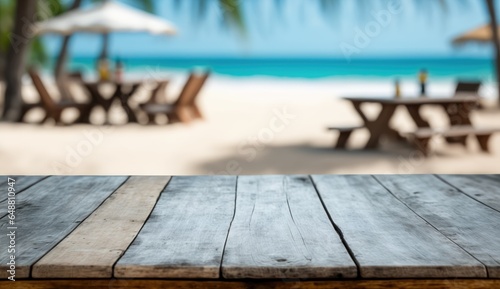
54 109
185 108
158 96
468 88
64 81
26 107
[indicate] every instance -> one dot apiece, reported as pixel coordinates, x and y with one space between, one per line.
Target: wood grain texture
48 211
92 249
387 239
184 236
484 188
22 183
281 230
470 224
297 284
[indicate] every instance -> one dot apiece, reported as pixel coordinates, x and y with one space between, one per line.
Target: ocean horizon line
288 58
308 68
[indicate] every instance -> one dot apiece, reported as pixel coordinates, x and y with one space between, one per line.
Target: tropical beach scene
249 144
249 87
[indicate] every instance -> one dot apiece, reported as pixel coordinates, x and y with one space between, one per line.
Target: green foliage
46 9
6 21
230 10
146 5
232 14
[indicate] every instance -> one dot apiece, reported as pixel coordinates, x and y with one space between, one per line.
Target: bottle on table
422 77
397 86
119 70
103 70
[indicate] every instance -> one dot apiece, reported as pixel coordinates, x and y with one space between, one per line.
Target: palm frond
232 14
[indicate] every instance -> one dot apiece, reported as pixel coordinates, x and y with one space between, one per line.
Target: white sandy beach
251 126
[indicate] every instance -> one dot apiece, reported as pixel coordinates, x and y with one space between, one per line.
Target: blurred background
249 87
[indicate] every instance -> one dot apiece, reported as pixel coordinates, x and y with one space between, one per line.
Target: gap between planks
51 210
468 223
338 230
388 239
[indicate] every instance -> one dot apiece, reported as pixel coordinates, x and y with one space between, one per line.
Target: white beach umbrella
106 18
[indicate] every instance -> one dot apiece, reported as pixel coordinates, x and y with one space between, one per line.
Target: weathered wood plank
22 182
281 230
92 249
296 284
47 212
184 236
470 224
389 240
484 188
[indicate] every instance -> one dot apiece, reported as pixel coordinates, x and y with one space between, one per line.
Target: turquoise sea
312 68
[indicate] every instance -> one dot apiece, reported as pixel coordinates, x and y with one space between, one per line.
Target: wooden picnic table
122 91
319 231
457 109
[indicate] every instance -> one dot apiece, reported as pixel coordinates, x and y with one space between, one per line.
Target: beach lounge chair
54 109
184 109
63 83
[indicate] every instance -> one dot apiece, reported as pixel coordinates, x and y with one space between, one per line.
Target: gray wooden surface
91 250
21 184
484 188
387 239
185 234
470 224
257 227
47 212
281 230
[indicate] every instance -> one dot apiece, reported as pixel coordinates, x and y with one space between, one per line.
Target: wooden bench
458 134
344 135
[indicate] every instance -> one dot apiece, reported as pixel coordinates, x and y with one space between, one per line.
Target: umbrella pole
64 53
105 42
105 46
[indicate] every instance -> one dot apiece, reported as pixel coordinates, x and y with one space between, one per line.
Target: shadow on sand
307 159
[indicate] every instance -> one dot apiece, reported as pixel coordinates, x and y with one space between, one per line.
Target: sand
250 127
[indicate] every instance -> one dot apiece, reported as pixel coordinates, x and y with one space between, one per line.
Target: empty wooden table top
216 231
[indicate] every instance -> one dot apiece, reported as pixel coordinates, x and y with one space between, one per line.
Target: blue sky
388 28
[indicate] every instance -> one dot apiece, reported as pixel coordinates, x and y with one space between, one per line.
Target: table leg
379 126
458 114
414 111
97 99
124 97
